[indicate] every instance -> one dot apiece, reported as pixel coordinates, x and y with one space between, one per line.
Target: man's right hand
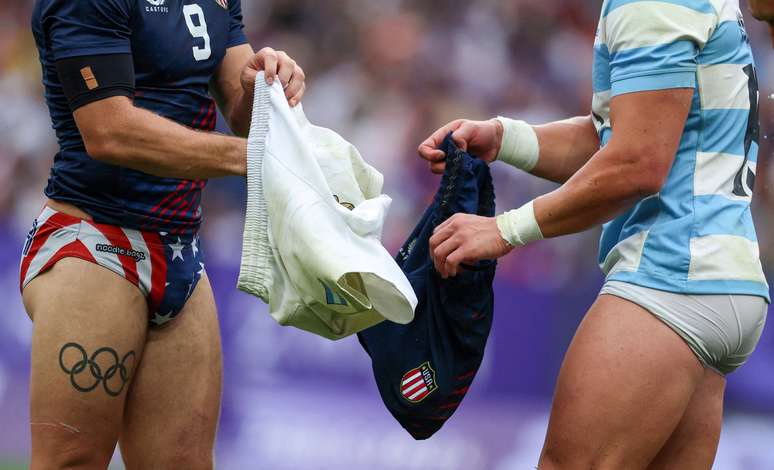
481 138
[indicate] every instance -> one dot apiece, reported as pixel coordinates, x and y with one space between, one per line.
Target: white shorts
722 330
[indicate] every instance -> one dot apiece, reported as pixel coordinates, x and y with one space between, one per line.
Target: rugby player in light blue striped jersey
666 160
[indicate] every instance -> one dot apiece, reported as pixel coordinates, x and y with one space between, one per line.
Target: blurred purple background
385 73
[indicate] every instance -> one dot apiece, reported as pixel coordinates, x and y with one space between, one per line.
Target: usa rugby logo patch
222 3
417 384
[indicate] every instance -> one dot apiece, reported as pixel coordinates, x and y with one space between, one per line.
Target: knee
58 446
177 457
191 459
69 457
562 452
557 457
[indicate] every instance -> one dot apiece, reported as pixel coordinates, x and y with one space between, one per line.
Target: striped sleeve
654 44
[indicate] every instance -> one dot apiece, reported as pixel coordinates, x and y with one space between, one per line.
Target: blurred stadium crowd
384 74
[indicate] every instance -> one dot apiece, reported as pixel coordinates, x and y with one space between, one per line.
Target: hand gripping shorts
424 369
166 268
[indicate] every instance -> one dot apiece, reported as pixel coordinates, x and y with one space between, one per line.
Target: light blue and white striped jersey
696 235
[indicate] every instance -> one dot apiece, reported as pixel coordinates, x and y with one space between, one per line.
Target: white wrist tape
519 227
520 147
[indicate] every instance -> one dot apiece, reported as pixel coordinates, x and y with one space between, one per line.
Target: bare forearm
601 190
164 148
565 146
141 140
240 115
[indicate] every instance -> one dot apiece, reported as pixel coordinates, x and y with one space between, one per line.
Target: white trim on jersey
715 173
727 10
649 23
723 86
725 257
626 255
600 103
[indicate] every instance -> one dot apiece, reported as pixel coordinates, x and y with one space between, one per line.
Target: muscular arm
635 163
565 146
115 131
227 90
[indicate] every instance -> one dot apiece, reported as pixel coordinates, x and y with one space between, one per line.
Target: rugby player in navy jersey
126 345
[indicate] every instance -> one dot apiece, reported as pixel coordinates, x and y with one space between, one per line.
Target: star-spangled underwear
166 268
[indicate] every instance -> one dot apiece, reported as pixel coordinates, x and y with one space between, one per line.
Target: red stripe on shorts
158 270
41 236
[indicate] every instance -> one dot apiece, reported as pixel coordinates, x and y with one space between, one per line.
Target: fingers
464 134
296 87
435 157
454 260
449 255
278 65
443 244
295 99
446 223
438 167
267 60
429 148
441 253
285 68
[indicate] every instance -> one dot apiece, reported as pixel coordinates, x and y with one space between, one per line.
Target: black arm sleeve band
88 79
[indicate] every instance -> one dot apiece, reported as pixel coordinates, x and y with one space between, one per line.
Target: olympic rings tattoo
118 367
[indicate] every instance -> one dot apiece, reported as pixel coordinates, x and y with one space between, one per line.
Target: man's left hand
276 65
465 238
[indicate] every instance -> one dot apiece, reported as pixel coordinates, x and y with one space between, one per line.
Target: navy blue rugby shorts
424 369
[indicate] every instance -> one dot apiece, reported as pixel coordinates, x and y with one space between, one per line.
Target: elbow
646 173
102 144
649 182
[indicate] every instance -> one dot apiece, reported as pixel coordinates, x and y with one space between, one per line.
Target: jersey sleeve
654 45
236 34
88 27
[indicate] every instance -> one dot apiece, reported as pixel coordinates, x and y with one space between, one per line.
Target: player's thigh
89 327
625 382
174 403
695 441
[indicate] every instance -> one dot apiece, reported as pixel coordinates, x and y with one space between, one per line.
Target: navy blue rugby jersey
176 46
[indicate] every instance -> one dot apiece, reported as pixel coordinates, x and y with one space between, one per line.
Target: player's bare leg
174 402
625 383
695 441
89 327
